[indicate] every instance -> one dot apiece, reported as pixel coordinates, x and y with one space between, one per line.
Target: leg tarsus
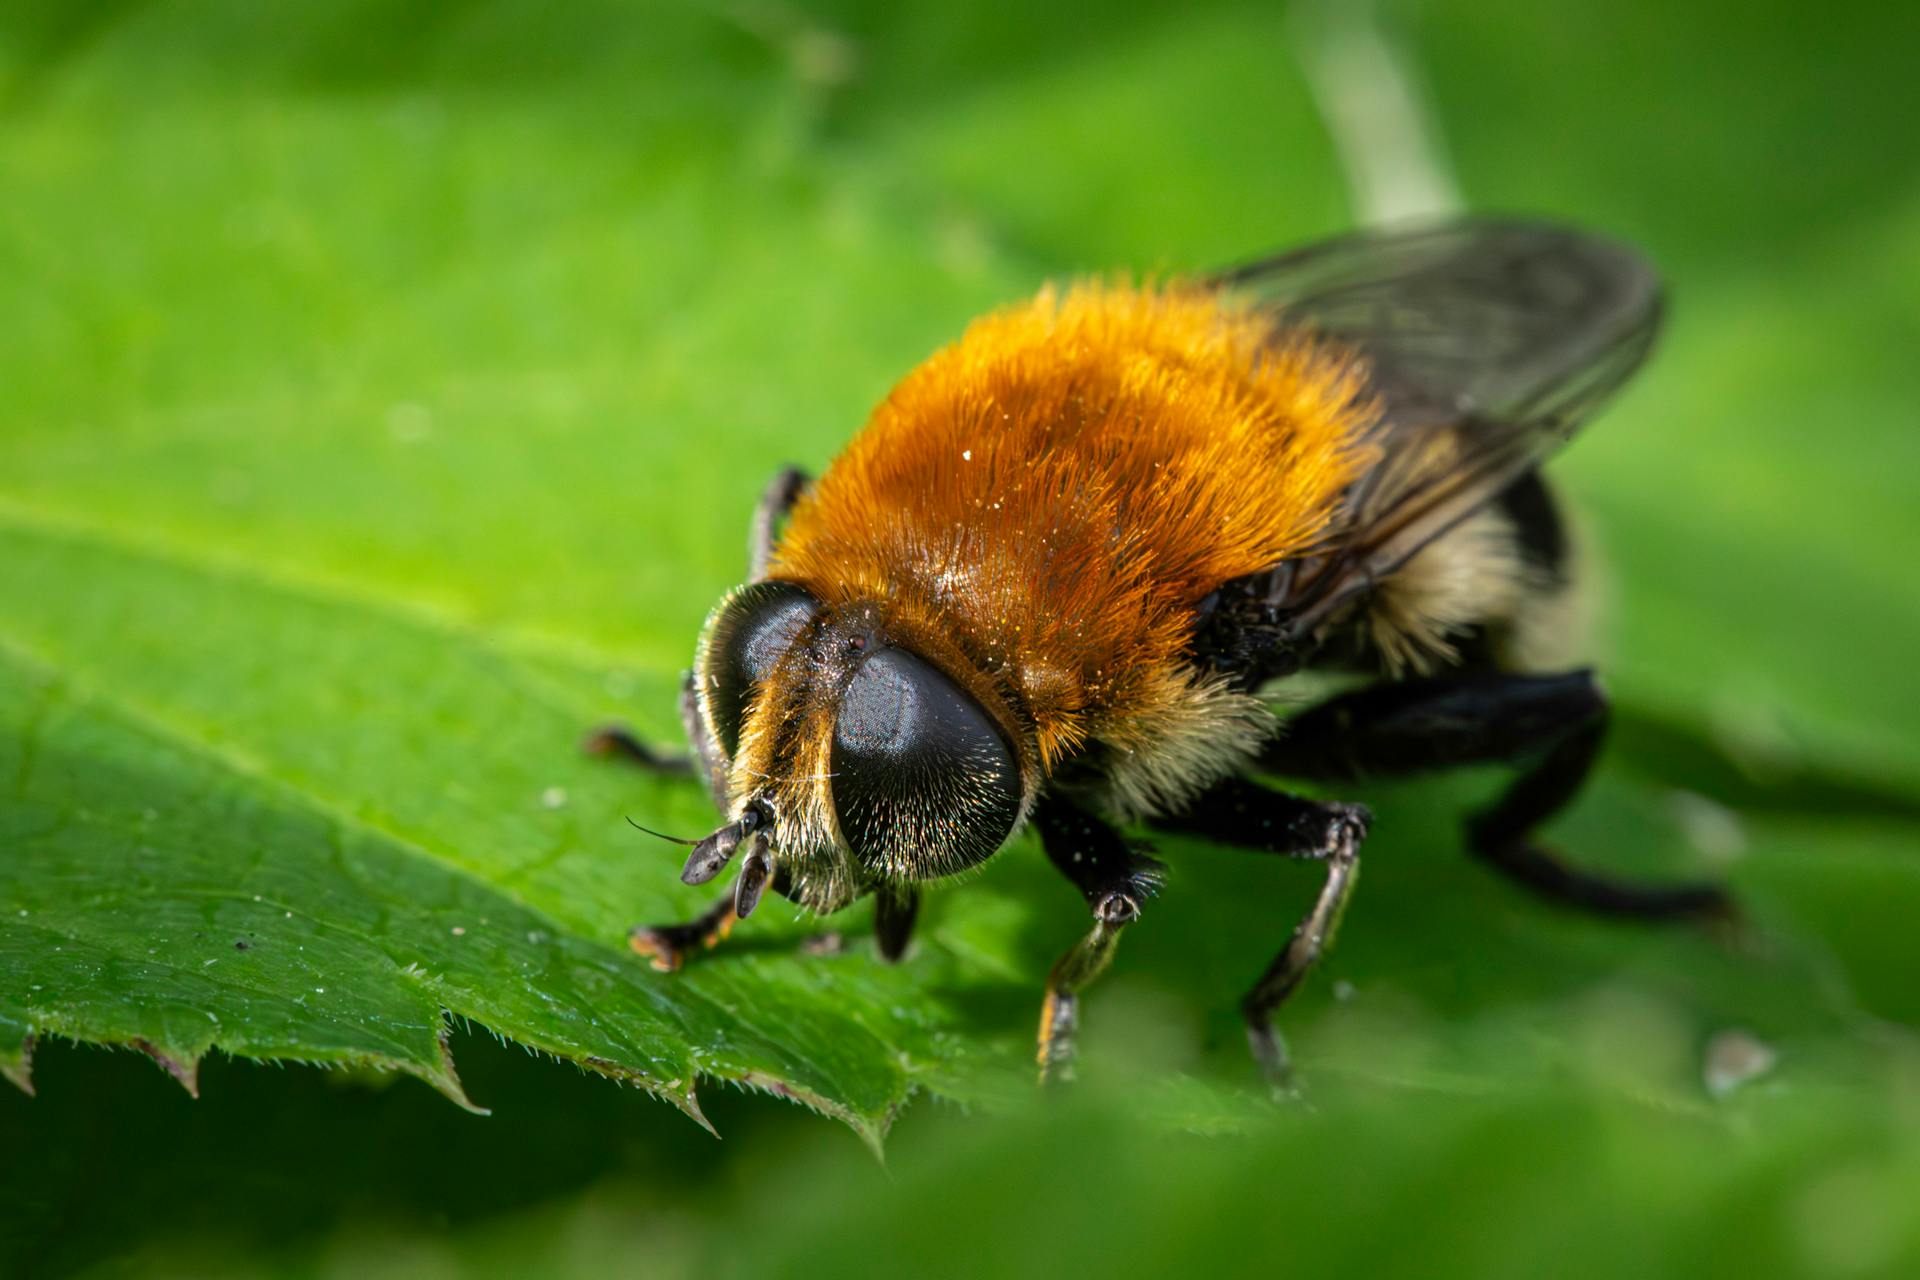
1547 875
1243 813
1086 960
1501 837
666 946
617 742
1310 939
1116 880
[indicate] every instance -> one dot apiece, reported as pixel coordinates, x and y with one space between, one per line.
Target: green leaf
371 465
382 414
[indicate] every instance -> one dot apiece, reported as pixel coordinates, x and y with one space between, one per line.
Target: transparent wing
1488 341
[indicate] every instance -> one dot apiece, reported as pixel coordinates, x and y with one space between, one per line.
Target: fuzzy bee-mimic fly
1058 576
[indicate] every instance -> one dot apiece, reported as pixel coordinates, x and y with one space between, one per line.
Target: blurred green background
383 391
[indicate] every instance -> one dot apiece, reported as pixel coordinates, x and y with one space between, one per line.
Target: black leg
895 908
617 742
667 946
1243 813
1254 817
775 501
1500 837
1557 721
1399 727
1115 880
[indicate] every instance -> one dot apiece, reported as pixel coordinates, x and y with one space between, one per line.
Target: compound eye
750 632
924 782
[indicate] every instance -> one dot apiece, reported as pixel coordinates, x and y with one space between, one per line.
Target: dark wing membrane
1488 341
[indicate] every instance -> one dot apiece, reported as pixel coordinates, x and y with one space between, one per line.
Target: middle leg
1251 816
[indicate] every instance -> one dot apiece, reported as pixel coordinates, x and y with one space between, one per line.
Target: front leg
617 742
667 946
776 500
1116 881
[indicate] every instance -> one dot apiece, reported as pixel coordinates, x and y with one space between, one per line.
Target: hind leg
1558 722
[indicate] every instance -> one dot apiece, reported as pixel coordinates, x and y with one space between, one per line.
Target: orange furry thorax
1040 507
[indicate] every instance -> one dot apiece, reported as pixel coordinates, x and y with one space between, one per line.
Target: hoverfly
1056 578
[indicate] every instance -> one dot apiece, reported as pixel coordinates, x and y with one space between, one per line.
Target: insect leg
775 501
1115 880
1557 721
618 742
1500 836
895 908
1244 813
667 946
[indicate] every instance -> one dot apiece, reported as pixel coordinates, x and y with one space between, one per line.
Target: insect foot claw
667 946
658 944
1120 905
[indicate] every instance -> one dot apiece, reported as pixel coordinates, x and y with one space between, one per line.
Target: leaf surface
376 425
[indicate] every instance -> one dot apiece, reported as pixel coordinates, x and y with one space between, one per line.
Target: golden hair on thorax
1044 502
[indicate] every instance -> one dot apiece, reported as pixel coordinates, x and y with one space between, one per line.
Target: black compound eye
924 783
749 633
